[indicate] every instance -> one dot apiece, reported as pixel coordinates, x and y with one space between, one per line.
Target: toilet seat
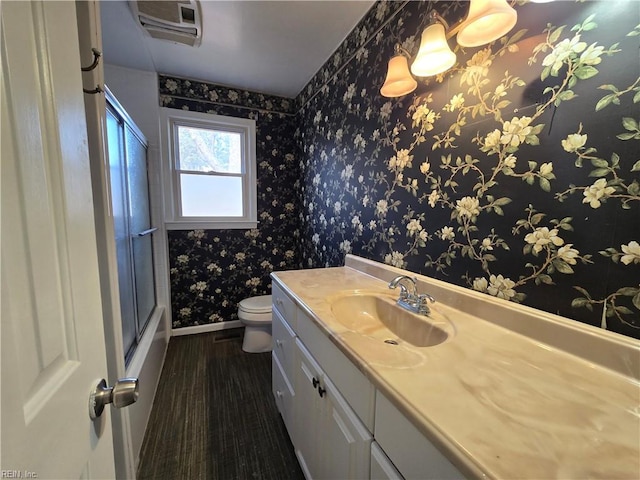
260 304
255 310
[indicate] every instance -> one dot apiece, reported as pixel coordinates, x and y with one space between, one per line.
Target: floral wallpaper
212 270
516 173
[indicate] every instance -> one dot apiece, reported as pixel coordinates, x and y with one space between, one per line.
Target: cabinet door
307 413
381 466
332 442
346 442
283 394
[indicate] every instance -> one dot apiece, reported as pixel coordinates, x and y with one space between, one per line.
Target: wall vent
176 21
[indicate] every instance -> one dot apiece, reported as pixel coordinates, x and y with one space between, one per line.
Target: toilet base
257 339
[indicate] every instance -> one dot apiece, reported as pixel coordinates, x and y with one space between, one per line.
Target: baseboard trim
211 327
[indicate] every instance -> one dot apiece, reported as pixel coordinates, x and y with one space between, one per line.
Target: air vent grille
169 11
175 21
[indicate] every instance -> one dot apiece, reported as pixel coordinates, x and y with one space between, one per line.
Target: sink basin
377 315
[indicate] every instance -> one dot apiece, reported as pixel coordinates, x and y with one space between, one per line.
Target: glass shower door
132 224
140 228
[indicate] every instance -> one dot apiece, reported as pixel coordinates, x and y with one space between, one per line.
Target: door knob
123 393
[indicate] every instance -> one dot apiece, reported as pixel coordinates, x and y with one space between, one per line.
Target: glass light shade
399 81
487 21
434 55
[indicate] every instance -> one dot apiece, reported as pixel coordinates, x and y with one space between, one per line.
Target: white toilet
255 315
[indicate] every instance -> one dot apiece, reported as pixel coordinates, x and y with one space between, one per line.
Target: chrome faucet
409 298
404 292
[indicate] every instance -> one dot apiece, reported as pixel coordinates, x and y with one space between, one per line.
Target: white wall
137 92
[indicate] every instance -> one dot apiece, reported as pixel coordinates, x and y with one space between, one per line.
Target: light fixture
486 21
399 81
434 55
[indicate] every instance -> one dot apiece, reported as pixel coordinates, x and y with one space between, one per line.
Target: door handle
147 231
123 393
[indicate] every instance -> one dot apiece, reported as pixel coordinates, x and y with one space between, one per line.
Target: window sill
209 225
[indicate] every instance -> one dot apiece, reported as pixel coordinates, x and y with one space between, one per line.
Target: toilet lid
260 304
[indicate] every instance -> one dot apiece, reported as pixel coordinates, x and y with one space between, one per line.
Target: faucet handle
423 304
423 297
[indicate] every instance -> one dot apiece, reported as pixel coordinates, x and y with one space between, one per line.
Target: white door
53 349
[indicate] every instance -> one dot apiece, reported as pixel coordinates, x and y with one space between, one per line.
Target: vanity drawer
283 344
409 450
283 304
282 393
352 384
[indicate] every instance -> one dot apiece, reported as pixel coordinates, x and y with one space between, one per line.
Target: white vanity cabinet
329 438
330 409
283 356
421 405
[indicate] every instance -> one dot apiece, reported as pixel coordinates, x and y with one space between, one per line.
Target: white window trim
169 118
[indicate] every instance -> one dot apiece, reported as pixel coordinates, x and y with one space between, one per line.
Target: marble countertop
496 402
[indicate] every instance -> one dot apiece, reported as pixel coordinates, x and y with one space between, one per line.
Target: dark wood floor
214 416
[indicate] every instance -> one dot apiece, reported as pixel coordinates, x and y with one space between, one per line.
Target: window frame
170 120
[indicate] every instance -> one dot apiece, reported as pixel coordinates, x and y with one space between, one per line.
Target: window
209 170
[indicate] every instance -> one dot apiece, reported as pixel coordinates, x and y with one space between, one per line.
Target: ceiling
272 47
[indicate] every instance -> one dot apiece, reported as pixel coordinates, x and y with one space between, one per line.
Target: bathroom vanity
479 388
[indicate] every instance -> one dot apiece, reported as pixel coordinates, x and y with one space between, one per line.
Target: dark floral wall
212 270
516 173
